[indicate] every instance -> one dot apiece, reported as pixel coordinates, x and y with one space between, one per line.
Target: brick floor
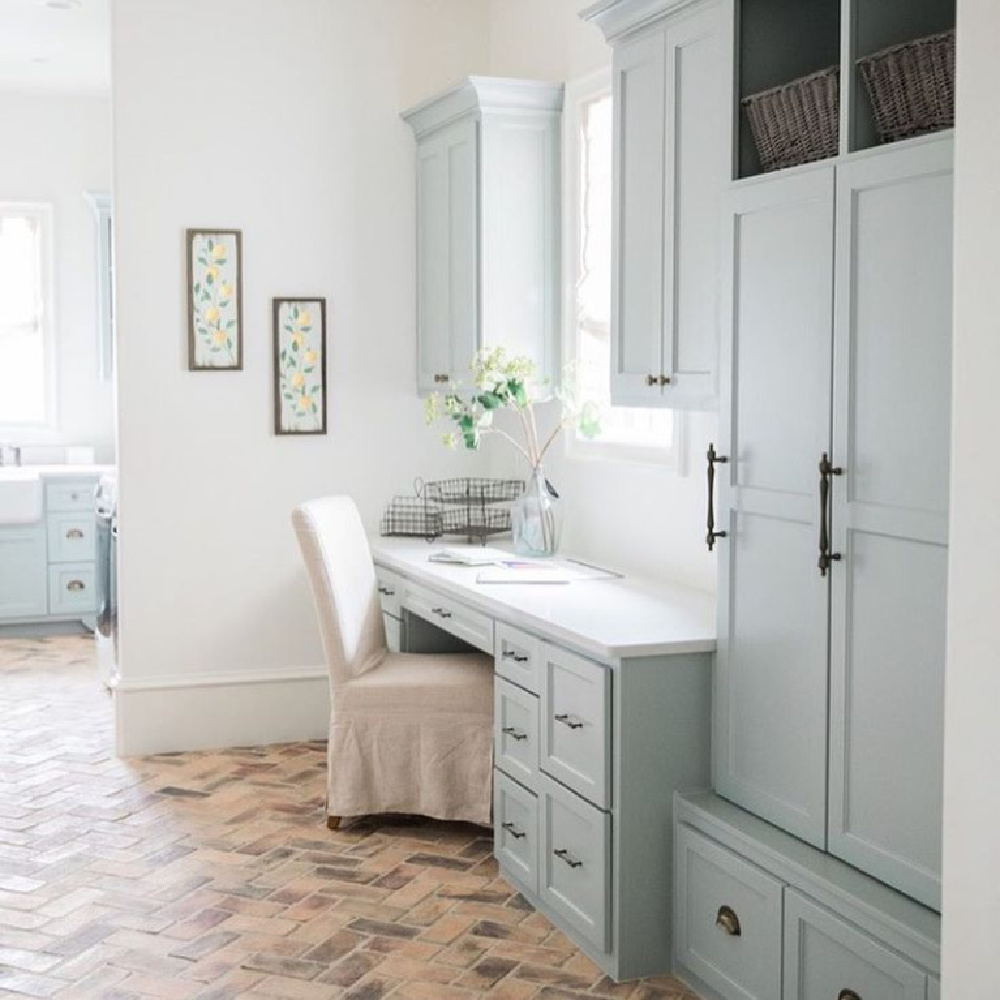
211 875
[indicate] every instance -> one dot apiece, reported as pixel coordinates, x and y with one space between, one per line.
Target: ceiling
55 46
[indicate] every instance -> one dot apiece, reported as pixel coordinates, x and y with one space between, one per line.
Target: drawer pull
440 612
563 855
569 720
440 377
730 923
510 654
514 734
848 995
76 585
74 533
386 592
513 831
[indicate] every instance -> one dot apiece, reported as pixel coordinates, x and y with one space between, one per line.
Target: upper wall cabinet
673 86
488 162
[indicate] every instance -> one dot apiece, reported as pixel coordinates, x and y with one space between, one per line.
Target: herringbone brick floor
211 875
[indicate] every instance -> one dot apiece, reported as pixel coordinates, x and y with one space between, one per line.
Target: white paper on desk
523 574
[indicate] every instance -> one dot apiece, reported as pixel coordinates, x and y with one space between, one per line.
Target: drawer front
574 866
517 657
575 723
515 731
515 837
71 589
390 591
71 537
75 494
393 633
828 957
727 920
462 622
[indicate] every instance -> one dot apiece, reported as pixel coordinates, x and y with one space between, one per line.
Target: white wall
55 149
644 518
972 699
281 119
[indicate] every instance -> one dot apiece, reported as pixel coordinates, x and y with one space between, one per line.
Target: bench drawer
71 589
74 494
462 622
728 920
515 731
390 591
515 837
517 657
575 723
575 863
71 537
828 957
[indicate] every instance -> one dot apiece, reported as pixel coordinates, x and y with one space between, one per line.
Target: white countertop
68 471
610 619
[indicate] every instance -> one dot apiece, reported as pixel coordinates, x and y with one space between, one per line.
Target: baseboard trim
212 711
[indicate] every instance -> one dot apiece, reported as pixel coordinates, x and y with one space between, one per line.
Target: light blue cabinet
23 572
488 161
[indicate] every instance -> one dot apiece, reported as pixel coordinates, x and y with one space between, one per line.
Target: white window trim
577 93
42 211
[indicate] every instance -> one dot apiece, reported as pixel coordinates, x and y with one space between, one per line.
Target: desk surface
611 619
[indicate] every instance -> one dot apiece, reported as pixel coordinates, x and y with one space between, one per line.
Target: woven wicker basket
912 87
797 122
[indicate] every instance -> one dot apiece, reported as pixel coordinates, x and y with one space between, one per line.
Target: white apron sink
20 496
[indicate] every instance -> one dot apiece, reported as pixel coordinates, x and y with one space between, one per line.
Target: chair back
339 563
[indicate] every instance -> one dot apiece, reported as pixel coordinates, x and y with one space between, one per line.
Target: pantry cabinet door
772 661
892 396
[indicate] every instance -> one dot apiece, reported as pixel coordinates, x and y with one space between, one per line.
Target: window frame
578 94
43 213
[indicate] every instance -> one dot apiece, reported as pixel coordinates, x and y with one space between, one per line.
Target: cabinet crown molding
616 17
482 95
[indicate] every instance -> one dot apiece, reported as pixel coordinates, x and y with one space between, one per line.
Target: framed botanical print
300 366
215 299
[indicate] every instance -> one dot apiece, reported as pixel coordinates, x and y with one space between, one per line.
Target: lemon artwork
300 403
215 306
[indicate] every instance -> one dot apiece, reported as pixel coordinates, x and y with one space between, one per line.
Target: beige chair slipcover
409 733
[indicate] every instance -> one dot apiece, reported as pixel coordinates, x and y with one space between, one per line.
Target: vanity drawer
71 537
828 957
517 657
575 863
462 622
728 920
71 589
74 494
515 837
515 731
390 591
575 723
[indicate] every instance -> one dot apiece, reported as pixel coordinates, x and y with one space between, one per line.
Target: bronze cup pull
76 585
728 921
848 995
714 459
74 533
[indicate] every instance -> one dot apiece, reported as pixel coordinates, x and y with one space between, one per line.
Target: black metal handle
565 719
826 557
386 592
513 831
848 995
440 612
714 459
514 734
564 855
509 654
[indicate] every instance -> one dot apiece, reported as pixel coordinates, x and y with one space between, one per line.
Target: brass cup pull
565 856
513 831
714 459
76 585
74 533
568 720
514 734
848 995
728 921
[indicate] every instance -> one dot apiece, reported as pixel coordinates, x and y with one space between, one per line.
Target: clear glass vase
536 518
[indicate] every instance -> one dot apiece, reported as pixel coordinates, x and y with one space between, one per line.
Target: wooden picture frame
300 389
215 299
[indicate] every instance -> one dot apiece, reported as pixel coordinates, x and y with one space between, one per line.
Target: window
638 434
24 315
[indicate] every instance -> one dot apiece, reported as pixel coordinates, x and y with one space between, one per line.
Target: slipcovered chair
409 733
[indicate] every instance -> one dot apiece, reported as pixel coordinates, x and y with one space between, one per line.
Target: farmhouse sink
20 496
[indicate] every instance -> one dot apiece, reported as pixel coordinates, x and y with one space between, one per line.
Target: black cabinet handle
848 995
565 856
510 654
826 557
714 459
567 720
386 592
513 831
440 612
514 734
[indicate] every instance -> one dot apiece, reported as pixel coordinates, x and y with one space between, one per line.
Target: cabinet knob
730 923
652 380
74 533
76 585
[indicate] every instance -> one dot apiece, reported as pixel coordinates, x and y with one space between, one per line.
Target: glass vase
536 518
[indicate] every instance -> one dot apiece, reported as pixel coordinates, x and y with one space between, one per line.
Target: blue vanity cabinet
23 575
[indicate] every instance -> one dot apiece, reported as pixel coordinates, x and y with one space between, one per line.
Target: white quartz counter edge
68 471
494 607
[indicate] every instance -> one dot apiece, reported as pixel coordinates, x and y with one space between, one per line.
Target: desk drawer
728 922
75 494
71 589
390 591
828 957
462 622
517 657
515 838
515 731
575 727
575 862
71 537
